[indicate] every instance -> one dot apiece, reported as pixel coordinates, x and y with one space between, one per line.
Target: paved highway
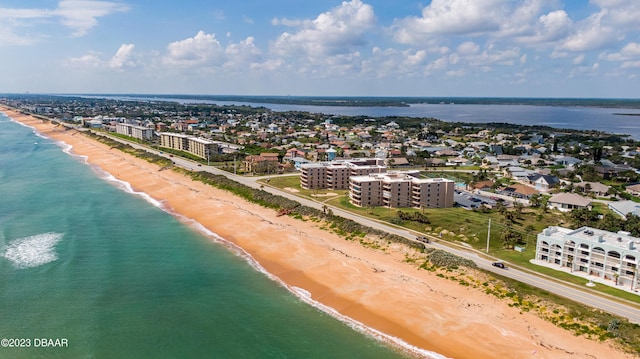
573 292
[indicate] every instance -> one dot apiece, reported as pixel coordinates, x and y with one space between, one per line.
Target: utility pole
488 235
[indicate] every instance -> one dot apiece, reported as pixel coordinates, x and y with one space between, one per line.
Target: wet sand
374 287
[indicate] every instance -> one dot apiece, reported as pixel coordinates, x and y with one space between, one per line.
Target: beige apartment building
335 174
139 132
197 146
401 189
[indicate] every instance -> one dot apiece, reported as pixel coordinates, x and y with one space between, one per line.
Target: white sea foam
33 251
126 186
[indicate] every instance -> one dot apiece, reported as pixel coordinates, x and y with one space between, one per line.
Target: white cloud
218 15
416 58
629 51
202 49
123 58
631 65
339 31
91 59
81 15
456 73
578 59
451 17
592 33
549 28
242 55
468 48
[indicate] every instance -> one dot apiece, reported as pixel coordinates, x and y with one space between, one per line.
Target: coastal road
570 291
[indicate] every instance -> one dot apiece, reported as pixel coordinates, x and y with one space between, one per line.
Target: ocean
90 269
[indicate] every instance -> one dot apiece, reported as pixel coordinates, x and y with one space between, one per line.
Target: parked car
499 265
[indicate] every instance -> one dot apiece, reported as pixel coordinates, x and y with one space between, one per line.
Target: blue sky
523 48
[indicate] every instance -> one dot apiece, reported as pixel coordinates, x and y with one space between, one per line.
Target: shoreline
372 287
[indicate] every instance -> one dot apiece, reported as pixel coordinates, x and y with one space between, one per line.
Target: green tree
611 222
535 200
510 238
584 217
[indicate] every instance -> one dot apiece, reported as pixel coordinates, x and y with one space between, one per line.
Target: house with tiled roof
566 202
633 190
594 188
263 163
518 191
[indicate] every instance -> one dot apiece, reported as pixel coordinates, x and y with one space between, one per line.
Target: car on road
423 239
499 265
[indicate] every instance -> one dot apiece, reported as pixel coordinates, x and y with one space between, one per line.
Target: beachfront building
396 189
196 146
139 132
604 254
335 175
263 163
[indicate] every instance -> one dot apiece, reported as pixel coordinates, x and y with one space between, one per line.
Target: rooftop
621 239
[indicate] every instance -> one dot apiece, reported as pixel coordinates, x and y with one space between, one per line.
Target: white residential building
607 255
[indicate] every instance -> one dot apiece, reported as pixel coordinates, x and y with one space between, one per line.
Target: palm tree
570 262
518 207
535 200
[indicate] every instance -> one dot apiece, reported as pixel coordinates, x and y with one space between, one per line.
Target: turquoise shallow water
83 260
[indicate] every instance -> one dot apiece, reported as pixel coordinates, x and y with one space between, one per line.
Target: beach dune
376 288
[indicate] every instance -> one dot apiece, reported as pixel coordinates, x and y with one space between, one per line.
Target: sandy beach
374 287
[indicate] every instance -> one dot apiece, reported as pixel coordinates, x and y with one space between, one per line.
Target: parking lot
470 201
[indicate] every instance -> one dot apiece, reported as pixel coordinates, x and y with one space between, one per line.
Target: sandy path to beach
374 287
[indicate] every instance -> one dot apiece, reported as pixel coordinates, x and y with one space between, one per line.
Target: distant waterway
606 119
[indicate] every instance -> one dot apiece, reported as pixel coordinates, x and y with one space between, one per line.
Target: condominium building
397 189
263 163
607 255
197 146
139 132
335 174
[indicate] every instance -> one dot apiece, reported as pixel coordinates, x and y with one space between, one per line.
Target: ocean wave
396 342
126 187
33 251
